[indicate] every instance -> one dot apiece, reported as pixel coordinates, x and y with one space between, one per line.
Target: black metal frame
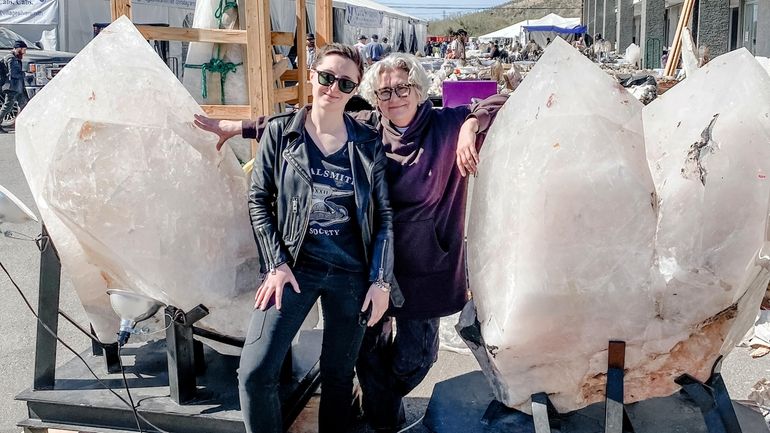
711 397
184 353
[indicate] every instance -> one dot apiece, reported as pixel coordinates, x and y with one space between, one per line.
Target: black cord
53 334
128 391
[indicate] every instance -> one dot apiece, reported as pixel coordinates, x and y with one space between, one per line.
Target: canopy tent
515 31
552 25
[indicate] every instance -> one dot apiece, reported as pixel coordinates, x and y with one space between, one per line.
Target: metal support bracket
48 312
181 350
714 402
616 418
544 414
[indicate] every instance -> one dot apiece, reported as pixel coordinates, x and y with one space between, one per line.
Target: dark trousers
9 98
269 338
389 368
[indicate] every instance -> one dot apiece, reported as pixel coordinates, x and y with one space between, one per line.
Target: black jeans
9 98
269 338
389 368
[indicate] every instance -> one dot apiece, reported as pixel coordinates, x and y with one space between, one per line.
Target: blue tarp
556 29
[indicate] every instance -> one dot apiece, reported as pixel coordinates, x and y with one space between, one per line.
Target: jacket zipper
381 276
268 256
293 222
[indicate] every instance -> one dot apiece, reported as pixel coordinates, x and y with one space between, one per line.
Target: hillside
489 20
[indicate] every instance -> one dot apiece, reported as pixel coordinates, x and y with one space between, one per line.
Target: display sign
363 17
44 12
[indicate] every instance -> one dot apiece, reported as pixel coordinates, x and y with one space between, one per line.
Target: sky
430 9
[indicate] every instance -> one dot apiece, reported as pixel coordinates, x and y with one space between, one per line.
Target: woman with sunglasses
323 226
430 153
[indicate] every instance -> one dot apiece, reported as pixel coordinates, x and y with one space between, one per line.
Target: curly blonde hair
406 62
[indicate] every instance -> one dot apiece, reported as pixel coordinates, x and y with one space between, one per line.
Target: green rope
216 65
224 6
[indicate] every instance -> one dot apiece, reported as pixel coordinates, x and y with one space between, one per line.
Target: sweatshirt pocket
417 248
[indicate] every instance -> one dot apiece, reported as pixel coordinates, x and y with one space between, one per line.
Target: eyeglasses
328 79
401 90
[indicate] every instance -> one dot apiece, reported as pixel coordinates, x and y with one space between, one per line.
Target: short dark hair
342 50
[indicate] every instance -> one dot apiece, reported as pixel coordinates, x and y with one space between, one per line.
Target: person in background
13 86
374 50
319 208
443 49
664 59
430 154
428 49
310 49
458 46
362 51
387 48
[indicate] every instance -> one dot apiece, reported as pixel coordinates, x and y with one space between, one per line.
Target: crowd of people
366 212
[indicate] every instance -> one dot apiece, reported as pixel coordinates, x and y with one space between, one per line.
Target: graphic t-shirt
333 234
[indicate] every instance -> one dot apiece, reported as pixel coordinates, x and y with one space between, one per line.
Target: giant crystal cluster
594 219
133 195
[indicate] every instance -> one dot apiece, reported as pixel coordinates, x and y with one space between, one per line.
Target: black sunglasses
401 90
328 79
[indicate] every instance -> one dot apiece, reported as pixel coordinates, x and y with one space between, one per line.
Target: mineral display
595 220
133 195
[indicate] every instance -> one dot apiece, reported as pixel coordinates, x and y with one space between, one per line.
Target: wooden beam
675 52
216 36
301 88
282 38
286 94
323 23
259 60
293 75
234 112
119 8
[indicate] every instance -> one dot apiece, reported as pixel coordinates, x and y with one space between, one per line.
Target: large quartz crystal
133 195
581 234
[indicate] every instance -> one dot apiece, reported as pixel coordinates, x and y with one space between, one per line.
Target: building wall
714 26
763 29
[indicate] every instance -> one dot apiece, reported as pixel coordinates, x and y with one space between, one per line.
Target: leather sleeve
382 255
254 128
272 252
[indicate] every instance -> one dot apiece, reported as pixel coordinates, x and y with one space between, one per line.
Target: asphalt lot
17 325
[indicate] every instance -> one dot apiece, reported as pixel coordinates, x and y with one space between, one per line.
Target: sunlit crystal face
608 231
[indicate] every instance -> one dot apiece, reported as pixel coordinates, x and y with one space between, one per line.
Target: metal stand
48 312
181 350
545 417
713 401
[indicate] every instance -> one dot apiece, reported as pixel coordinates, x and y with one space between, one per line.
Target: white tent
515 31
551 26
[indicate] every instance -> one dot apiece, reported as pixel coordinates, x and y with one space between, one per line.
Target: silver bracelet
382 285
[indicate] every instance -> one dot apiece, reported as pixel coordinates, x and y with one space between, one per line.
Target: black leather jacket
280 196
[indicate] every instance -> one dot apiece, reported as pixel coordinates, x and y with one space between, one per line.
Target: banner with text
181 4
363 17
44 12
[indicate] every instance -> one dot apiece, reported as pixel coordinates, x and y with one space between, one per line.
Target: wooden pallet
264 95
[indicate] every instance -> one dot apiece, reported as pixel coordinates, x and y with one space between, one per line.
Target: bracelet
382 285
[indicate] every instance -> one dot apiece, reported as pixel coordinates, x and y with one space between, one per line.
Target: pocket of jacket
417 248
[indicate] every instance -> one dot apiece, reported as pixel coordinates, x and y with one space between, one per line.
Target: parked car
40 66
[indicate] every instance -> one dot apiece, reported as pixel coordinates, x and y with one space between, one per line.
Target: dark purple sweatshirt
428 195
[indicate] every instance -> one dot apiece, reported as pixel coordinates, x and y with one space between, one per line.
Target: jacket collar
357 132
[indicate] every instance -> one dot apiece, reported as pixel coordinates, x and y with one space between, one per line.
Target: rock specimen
581 234
134 196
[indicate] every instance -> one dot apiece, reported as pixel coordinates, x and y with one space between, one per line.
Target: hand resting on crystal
274 284
225 129
467 155
379 300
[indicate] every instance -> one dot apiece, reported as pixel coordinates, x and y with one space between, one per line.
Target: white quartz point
561 232
707 145
689 53
134 195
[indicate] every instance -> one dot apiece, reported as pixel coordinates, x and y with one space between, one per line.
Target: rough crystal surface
581 234
134 195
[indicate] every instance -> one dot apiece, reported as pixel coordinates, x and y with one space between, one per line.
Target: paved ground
17 325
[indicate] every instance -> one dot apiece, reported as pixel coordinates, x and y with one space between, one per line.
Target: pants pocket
256 326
